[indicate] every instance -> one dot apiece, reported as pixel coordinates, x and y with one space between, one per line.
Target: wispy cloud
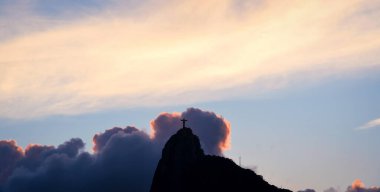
179 51
371 124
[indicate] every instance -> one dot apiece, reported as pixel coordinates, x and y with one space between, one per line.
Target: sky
297 81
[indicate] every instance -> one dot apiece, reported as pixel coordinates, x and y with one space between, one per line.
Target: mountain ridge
184 167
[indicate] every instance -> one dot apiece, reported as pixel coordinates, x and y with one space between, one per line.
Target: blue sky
295 98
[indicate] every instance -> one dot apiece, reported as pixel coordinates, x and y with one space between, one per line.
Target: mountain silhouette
184 167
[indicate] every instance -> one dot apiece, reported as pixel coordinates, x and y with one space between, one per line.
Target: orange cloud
13 143
357 184
170 118
226 143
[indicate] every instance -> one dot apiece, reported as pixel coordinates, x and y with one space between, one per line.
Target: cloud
358 186
307 190
100 140
212 130
10 153
371 124
124 159
173 52
165 125
331 189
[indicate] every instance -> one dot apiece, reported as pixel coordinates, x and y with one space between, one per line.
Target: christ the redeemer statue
183 123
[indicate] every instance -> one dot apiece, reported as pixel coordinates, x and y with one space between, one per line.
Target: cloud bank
102 56
124 159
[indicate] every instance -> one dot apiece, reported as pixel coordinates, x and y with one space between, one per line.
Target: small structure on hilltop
184 123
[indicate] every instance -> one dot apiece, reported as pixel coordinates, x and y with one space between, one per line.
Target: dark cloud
45 168
124 159
213 130
36 155
128 162
359 189
10 154
70 148
125 162
331 189
100 140
307 190
165 125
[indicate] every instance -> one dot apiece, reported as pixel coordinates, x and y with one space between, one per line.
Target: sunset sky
298 81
